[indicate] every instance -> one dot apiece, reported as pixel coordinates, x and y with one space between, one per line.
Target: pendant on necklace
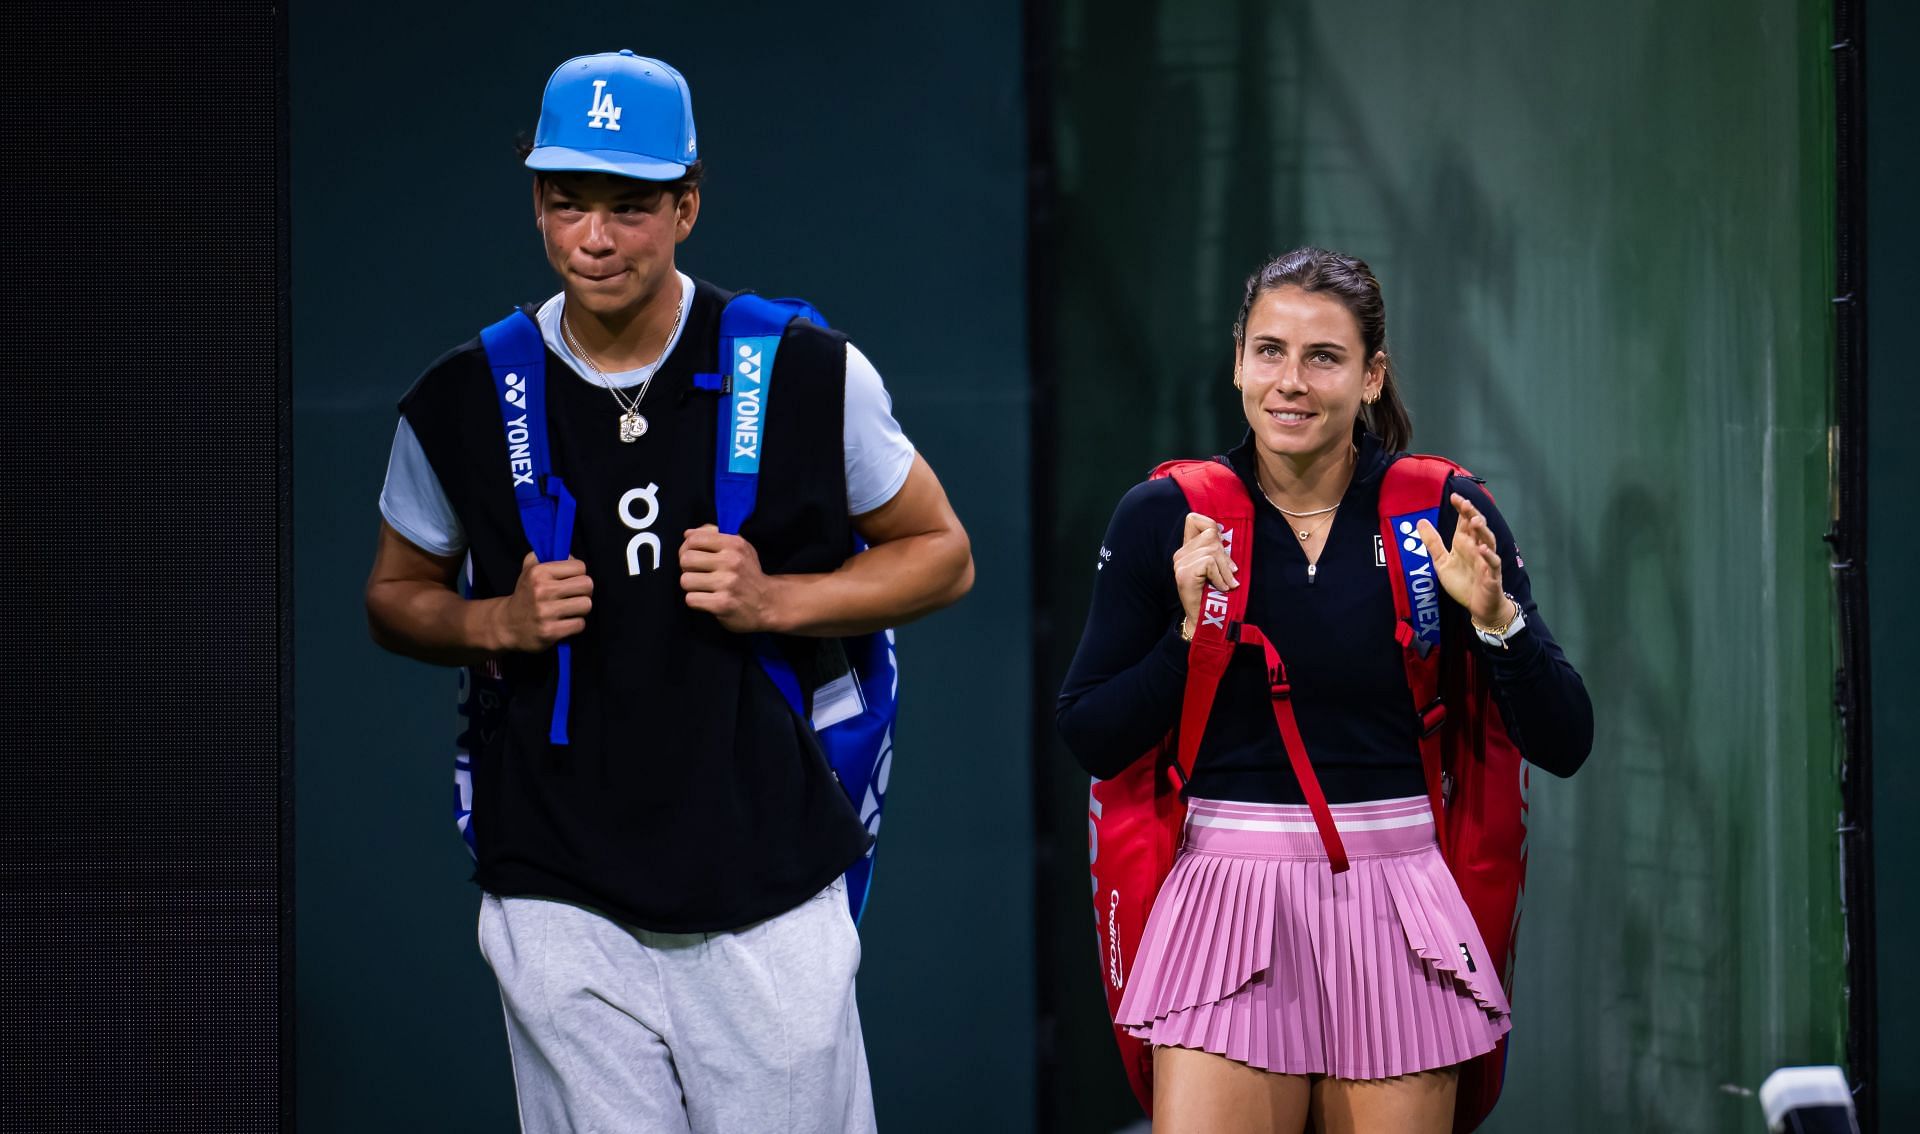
633 426
1302 535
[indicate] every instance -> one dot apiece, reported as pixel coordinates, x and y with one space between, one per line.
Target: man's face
611 239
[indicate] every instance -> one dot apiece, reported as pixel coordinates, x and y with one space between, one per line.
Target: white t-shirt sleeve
413 502
878 454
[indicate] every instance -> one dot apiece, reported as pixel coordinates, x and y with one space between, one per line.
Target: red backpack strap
1415 489
1281 692
1213 489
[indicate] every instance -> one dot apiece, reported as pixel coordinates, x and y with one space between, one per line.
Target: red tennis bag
1134 819
1475 777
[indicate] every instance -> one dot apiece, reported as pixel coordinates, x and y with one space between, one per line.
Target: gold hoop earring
1373 397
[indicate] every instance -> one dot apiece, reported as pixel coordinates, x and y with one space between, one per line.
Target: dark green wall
870 157
1604 233
1893 543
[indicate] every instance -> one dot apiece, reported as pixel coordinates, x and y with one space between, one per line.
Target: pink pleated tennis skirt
1257 951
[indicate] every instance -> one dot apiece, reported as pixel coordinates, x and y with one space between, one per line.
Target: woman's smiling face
1303 372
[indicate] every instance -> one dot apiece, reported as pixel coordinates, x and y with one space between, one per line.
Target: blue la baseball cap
616 113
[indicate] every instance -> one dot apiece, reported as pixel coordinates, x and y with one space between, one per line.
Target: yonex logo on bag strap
603 115
513 390
749 401
1423 589
1213 604
1411 541
519 451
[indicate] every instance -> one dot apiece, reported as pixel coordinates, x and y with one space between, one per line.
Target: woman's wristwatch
1499 636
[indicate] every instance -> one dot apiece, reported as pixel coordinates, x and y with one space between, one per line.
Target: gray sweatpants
614 1029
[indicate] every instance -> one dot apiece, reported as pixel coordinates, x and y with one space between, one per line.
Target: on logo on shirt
642 537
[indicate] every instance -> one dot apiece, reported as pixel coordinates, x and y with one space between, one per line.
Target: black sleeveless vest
690 798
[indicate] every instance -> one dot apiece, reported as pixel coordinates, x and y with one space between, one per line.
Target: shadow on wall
1455 256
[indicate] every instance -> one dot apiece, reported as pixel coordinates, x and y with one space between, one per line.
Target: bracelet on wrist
1499 637
1500 631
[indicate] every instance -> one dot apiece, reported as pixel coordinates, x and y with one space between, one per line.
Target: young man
663 898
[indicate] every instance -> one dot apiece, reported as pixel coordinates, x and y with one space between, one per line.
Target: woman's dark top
1335 631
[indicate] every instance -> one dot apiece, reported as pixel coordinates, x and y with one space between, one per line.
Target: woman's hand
1470 569
1201 560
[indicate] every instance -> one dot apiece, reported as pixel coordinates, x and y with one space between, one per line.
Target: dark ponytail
1352 282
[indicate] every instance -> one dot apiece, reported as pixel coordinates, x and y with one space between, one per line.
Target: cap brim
560 159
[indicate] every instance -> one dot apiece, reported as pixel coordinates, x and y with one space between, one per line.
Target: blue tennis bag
856 692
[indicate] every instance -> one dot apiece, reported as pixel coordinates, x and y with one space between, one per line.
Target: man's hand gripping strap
750 331
518 357
859 748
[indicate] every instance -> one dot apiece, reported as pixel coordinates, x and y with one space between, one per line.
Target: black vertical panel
1053 920
1852 681
1889 279
144 894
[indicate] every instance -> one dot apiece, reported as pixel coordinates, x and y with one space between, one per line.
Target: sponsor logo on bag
752 357
1423 589
519 451
877 790
1213 603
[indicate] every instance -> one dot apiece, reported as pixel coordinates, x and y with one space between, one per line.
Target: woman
1345 1025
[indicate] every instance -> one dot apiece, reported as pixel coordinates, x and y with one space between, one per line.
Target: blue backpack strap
750 330
858 747
518 357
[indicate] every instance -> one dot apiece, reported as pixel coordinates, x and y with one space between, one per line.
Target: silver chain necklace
633 424
1303 533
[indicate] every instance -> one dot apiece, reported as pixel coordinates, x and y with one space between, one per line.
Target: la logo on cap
602 114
